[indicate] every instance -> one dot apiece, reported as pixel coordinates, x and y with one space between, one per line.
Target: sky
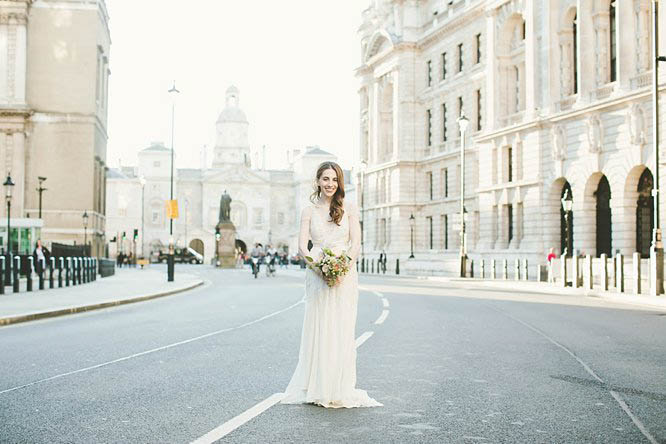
292 60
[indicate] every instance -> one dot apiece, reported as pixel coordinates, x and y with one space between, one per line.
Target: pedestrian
550 257
39 254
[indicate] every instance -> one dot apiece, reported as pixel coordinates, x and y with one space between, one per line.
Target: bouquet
332 267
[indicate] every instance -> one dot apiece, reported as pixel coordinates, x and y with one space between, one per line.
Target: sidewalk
125 287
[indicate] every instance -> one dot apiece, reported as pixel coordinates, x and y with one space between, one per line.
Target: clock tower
231 146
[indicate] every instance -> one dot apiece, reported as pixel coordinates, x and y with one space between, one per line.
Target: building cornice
451 26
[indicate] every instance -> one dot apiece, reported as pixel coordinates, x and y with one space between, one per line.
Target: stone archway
603 218
197 245
644 213
564 245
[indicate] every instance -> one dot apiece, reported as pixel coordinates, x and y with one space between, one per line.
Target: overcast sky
292 60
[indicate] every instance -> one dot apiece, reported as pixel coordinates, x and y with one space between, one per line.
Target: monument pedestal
226 246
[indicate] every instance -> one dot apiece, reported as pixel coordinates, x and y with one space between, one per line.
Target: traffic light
217 234
136 234
124 236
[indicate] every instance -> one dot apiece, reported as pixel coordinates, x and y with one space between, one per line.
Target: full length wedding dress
326 370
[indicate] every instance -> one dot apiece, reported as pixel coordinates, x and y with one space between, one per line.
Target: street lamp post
40 190
412 221
657 249
567 203
8 196
364 165
462 123
142 181
170 258
85 229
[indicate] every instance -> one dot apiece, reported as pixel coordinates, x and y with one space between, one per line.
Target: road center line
165 347
382 317
587 368
251 413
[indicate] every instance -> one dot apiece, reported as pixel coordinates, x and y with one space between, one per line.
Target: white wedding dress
326 370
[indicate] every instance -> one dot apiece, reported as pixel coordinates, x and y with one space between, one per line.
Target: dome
231 112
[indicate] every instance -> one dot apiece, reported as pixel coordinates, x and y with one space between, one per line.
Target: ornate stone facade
265 206
54 59
558 96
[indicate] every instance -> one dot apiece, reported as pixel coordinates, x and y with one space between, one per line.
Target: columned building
558 97
265 207
54 69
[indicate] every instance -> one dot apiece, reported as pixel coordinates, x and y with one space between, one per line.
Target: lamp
8 196
462 123
85 228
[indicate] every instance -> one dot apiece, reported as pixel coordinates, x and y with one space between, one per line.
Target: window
445 231
509 209
522 30
429 72
430 244
478 48
509 162
122 212
516 73
460 57
460 105
429 125
429 181
446 182
155 216
280 218
575 53
443 66
258 216
478 110
156 164
443 122
613 47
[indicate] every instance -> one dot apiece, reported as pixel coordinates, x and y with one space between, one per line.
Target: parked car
182 256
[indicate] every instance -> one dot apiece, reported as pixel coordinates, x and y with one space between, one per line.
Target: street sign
172 209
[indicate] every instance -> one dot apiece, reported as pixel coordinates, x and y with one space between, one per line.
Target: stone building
558 97
54 69
265 207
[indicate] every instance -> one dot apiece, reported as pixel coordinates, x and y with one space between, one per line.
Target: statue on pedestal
225 233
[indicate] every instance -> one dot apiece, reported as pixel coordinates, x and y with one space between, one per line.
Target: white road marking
269 402
239 420
382 317
587 368
385 302
231 425
165 347
364 337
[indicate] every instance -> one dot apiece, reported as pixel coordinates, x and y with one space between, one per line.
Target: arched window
604 226
644 213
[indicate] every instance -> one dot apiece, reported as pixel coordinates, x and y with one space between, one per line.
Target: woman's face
328 182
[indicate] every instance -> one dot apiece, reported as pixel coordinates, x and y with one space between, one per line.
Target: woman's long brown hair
335 210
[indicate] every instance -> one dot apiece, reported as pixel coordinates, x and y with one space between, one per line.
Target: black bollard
51 270
397 266
363 265
28 275
2 275
84 269
94 269
68 271
372 266
80 270
42 263
15 272
62 266
471 268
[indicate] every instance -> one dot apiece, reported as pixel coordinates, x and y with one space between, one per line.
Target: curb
83 308
624 298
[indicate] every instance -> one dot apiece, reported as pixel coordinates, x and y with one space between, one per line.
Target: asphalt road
450 363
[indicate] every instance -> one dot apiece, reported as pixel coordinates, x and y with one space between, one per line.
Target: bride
326 370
